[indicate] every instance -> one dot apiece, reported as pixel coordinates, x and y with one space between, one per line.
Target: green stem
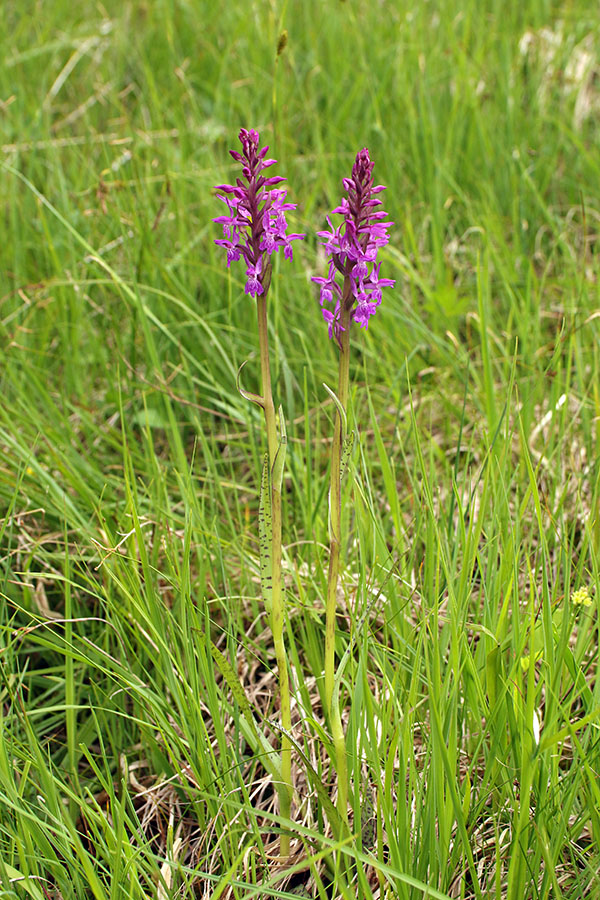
265 373
277 627
335 504
70 713
341 762
285 789
332 705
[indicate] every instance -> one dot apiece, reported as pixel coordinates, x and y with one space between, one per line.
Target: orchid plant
254 228
352 250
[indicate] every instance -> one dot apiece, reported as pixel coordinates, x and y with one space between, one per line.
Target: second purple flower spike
255 226
352 250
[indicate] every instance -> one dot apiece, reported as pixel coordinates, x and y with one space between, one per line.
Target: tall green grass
131 766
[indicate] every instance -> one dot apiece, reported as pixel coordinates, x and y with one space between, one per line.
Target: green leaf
23 881
279 462
340 409
337 825
265 535
580 684
247 395
149 418
346 451
253 735
493 666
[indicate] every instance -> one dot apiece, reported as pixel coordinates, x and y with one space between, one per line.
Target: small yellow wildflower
525 660
581 597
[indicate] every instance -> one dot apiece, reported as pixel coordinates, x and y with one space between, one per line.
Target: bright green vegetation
130 465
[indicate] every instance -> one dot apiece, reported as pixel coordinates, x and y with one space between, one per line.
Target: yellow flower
581 597
525 660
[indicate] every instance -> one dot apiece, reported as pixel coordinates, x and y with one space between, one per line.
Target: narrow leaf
247 395
279 463
340 409
252 734
333 817
346 451
26 882
265 535
493 667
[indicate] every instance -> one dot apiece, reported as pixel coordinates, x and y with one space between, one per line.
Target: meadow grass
138 691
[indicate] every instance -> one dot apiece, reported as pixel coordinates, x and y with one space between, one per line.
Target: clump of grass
128 459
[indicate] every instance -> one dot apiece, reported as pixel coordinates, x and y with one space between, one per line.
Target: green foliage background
129 463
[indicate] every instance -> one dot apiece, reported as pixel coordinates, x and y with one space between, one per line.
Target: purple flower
255 226
253 285
352 251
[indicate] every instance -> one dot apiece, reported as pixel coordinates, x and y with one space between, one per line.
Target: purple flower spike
255 226
352 250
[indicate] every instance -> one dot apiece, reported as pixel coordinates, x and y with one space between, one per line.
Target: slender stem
277 628
285 789
70 710
332 705
265 374
335 503
341 762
